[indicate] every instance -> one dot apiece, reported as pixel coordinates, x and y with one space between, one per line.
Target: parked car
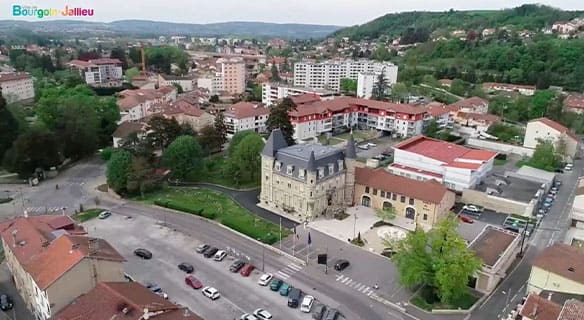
276 284
341 264
265 279
153 287
211 293
163 295
236 266
202 248
371 145
318 311
549 199
143 253
262 314
6 302
363 147
472 208
559 170
220 255
186 267
306 304
331 314
104 215
387 153
568 167
556 189
558 183
248 316
547 204
193 282
284 289
247 269
210 252
294 297
465 219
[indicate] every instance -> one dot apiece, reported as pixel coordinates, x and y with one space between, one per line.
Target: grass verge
425 299
215 172
219 207
87 215
5 200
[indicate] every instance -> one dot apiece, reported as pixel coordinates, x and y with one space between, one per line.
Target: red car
466 219
193 282
247 269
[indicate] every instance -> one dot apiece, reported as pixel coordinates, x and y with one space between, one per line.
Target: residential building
211 81
312 119
477 122
545 129
539 308
488 32
525 90
187 83
574 103
306 180
140 103
423 203
366 84
185 113
558 270
473 105
246 116
123 301
103 72
125 130
16 86
274 92
442 114
564 27
497 249
575 234
52 261
233 74
328 75
455 166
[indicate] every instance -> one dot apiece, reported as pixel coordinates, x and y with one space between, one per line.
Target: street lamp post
263 253
354 225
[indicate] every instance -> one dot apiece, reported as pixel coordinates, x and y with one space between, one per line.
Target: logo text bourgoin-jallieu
34 11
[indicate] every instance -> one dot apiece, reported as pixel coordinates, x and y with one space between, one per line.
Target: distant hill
529 16
150 28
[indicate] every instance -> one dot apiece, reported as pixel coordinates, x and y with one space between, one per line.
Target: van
294 297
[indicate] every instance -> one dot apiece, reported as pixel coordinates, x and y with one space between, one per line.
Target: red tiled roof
471 102
105 61
463 165
182 107
540 308
64 253
563 260
126 128
79 63
242 110
572 310
558 127
478 116
415 170
429 191
491 243
122 301
442 151
438 110
574 101
304 98
341 103
13 76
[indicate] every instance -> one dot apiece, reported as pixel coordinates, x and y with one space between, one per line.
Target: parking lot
239 294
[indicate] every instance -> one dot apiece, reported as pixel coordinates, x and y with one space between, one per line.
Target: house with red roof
455 166
245 116
140 103
574 103
549 130
52 261
473 105
102 73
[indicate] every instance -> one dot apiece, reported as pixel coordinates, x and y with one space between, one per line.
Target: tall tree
36 148
210 139
183 157
380 87
545 156
120 54
245 163
381 53
8 127
279 118
220 127
162 131
275 73
118 170
399 92
236 140
141 176
348 86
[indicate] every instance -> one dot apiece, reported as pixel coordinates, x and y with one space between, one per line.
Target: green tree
279 118
118 170
131 73
348 86
35 148
179 88
399 91
183 157
8 127
210 139
162 131
220 128
381 53
236 140
439 259
432 130
541 101
119 53
386 214
275 73
214 99
380 87
245 163
458 87
141 176
545 156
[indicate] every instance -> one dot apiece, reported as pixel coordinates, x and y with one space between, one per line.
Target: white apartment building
137 104
273 92
16 86
213 82
233 74
246 116
365 85
100 72
328 75
575 234
187 83
455 166
549 130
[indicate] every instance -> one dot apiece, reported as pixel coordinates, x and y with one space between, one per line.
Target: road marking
294 266
345 280
290 271
349 282
340 277
282 274
361 287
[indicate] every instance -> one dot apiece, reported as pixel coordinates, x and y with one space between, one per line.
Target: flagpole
309 244
294 243
280 233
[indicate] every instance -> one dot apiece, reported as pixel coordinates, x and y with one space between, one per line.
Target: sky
333 12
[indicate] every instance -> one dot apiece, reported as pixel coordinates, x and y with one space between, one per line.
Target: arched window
387 205
410 213
366 201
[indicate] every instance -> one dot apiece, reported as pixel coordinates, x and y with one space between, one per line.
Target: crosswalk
43 210
288 271
363 288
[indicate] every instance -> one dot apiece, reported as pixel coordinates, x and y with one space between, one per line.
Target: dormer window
340 163
331 168
321 172
278 165
289 170
301 173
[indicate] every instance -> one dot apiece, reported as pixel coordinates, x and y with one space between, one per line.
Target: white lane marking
345 280
349 282
294 266
340 277
282 274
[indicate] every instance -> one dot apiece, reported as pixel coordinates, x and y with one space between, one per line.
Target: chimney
25 213
75 246
14 232
534 311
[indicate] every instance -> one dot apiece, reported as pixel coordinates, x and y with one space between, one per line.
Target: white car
371 145
248 316
265 279
471 208
220 255
262 314
307 303
211 293
363 147
104 215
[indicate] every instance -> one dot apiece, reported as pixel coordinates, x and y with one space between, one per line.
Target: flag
309 238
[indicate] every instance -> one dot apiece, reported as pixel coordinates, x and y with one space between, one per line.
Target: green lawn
426 300
87 215
223 210
215 172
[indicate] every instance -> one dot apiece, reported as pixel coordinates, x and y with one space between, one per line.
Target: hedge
179 207
5 200
251 230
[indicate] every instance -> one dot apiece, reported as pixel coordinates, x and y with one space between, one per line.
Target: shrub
5 200
179 207
106 153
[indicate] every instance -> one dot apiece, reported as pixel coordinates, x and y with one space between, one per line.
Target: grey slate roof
350 152
310 157
275 142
